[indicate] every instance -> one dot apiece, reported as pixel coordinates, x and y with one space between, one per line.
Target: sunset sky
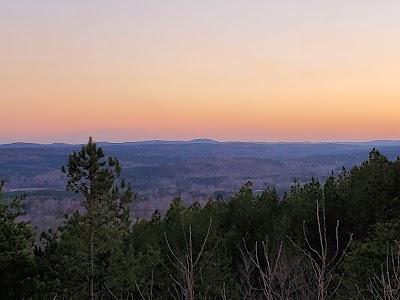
309 70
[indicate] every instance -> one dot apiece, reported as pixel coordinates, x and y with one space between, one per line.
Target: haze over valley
161 170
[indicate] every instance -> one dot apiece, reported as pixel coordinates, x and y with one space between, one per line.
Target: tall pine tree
87 257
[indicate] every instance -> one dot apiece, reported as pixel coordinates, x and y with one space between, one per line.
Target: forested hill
211 148
31 166
161 170
333 239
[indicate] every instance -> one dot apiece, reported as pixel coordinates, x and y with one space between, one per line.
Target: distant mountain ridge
199 141
194 170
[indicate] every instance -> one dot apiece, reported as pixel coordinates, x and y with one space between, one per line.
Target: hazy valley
161 170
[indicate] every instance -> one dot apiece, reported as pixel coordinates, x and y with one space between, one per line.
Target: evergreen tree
16 239
87 256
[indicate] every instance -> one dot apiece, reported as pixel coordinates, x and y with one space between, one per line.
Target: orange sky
227 70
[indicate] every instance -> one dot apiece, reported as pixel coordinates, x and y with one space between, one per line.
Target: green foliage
99 254
372 252
16 239
82 257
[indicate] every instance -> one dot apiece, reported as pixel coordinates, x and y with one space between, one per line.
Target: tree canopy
337 239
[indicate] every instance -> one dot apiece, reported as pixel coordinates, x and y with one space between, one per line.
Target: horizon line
204 141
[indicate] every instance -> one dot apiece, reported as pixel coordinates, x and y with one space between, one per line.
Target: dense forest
333 240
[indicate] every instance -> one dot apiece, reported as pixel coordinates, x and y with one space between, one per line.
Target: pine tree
16 239
87 257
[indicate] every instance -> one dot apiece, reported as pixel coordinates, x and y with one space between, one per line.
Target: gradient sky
224 69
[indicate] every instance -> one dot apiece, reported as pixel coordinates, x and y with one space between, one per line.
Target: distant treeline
333 240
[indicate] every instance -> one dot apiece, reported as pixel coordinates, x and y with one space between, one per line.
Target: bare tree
246 270
141 293
386 286
323 265
267 274
186 266
282 277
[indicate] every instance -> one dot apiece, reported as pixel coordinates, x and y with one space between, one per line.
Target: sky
309 70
